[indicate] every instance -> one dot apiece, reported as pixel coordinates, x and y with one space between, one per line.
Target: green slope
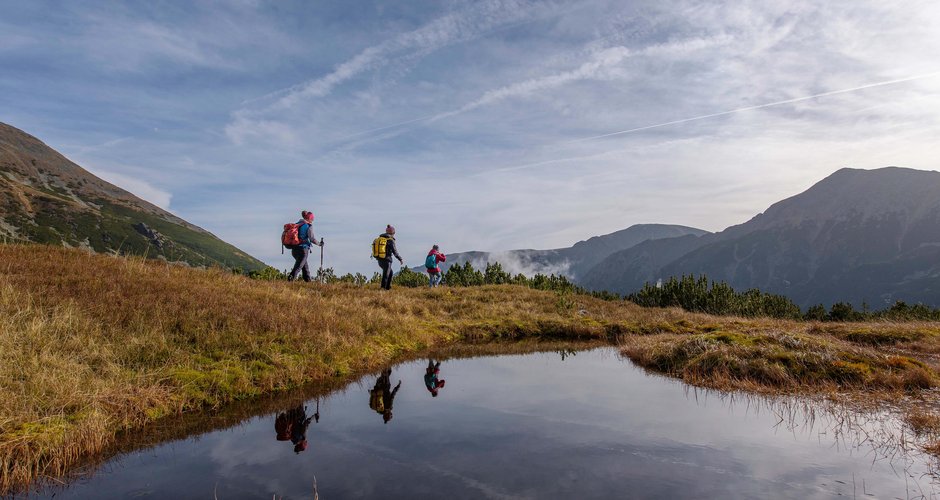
45 198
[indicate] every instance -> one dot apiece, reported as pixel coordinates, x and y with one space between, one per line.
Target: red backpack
290 238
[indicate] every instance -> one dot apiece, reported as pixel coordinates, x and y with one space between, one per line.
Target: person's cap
436 247
390 229
308 216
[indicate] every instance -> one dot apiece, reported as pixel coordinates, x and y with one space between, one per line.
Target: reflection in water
876 434
431 375
535 426
564 353
292 425
382 395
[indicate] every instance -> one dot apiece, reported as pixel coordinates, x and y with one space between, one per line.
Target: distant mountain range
46 198
574 261
857 236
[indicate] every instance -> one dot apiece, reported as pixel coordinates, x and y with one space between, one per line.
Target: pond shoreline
122 342
503 403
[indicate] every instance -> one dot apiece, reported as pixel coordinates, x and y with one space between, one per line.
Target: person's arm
310 236
441 257
394 250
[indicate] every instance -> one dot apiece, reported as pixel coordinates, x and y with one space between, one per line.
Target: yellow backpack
376 402
378 247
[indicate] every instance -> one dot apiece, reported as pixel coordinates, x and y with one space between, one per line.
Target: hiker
292 424
382 396
432 263
301 251
431 377
383 248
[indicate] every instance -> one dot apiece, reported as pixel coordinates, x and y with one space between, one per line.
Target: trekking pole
322 243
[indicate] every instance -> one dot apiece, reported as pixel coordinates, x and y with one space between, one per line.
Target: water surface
543 425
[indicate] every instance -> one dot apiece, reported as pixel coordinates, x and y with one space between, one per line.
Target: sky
477 125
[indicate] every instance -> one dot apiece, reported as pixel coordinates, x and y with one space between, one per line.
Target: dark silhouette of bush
718 298
815 313
842 311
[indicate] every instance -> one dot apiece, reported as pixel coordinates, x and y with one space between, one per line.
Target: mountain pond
549 424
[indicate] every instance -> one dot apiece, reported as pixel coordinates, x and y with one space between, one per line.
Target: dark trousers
300 255
386 266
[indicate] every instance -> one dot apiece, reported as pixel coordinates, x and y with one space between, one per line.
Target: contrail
759 106
386 127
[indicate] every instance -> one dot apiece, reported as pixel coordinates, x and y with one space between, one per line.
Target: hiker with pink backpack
298 237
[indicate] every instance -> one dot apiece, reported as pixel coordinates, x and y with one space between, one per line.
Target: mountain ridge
861 236
47 198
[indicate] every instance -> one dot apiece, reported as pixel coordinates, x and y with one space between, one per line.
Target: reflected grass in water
192 425
524 423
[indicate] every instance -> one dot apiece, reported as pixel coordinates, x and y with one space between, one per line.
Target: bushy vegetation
718 298
494 274
456 276
900 311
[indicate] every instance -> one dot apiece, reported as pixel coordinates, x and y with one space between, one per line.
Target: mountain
859 236
576 260
45 198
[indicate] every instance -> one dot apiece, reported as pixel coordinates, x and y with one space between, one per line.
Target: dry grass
775 356
91 345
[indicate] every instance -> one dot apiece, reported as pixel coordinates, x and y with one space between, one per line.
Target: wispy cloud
466 24
765 105
477 125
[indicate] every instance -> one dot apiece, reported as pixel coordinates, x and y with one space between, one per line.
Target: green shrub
700 295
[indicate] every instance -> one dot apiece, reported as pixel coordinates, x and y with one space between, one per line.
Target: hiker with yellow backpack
383 248
382 396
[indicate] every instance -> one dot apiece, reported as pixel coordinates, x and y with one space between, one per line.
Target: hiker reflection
431 377
292 425
382 396
566 353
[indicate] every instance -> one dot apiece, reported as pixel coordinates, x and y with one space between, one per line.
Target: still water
542 425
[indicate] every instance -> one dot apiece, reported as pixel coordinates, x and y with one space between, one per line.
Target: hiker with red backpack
432 264
292 425
383 248
299 238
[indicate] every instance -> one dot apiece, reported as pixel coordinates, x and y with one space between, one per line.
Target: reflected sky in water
590 425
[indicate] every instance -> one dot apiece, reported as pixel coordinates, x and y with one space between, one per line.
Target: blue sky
478 125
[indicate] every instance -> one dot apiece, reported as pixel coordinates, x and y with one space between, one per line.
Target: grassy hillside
46 198
93 344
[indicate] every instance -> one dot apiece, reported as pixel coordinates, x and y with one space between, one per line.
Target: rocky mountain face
46 198
576 260
859 236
